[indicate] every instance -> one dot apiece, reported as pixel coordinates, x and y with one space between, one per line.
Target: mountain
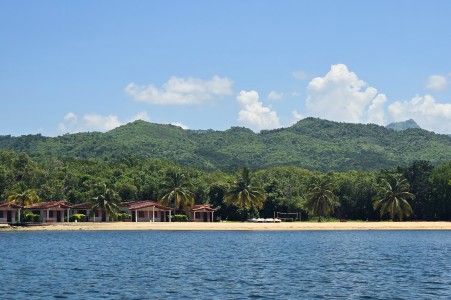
404 125
311 143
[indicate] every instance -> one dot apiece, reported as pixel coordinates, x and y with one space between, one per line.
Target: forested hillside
313 144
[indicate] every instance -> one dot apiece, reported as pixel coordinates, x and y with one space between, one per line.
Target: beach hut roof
12 204
148 203
51 204
202 207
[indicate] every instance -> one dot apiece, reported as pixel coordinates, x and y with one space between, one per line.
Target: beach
239 226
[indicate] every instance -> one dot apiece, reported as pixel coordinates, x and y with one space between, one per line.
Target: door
9 216
58 216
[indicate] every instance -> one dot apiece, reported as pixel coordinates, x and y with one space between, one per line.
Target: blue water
226 265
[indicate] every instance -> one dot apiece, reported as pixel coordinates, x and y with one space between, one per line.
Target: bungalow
201 213
8 212
149 211
51 211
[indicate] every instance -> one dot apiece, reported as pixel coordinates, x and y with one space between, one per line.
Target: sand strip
235 226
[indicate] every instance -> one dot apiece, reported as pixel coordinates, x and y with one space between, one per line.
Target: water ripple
226 265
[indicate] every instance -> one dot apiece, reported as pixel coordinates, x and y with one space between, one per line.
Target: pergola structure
201 213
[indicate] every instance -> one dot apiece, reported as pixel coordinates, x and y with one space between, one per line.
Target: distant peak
403 125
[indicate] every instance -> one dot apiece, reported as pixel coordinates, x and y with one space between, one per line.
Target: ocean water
225 265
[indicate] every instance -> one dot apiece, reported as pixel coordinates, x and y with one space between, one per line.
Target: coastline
231 226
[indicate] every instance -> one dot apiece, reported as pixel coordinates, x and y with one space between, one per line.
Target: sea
225 265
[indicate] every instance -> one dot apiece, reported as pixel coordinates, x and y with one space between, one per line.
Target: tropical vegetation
106 201
311 144
392 197
316 168
320 199
176 191
245 193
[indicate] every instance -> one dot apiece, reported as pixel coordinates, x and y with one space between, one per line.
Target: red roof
129 203
47 205
144 204
202 207
82 206
10 204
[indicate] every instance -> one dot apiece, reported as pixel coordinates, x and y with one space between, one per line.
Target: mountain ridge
311 143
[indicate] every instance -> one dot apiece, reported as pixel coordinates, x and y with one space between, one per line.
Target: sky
75 66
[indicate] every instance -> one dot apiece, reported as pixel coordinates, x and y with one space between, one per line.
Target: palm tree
106 201
320 199
392 197
244 193
176 190
24 198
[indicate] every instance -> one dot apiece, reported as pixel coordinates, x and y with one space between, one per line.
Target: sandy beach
293 226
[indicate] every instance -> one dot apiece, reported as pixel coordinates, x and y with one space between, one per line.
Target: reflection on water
226 265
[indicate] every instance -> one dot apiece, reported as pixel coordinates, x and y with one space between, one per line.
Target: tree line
419 191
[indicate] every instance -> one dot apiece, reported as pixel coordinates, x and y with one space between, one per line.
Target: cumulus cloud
94 122
436 83
341 96
426 111
273 95
181 91
254 114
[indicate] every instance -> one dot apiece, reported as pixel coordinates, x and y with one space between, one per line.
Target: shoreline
229 226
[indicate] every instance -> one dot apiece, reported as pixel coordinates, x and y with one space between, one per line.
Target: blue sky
71 66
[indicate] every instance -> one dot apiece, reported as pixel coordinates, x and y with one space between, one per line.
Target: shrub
123 216
28 216
180 218
78 218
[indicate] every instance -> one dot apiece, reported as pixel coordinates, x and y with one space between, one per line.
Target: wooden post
153 214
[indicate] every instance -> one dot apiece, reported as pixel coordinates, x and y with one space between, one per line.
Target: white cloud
71 117
437 83
140 116
273 95
297 116
179 125
341 96
299 75
180 91
426 111
253 114
94 122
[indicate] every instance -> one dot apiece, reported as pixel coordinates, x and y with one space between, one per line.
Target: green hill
311 143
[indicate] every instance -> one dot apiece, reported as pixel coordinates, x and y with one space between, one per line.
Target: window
140 214
1 214
51 214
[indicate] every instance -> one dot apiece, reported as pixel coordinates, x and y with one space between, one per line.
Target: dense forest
311 144
285 188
